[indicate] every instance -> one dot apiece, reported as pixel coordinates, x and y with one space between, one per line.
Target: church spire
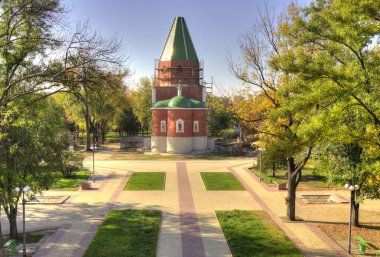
179 46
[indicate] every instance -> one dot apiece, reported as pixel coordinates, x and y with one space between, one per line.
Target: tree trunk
12 218
292 186
356 214
88 136
273 170
103 134
103 128
1 231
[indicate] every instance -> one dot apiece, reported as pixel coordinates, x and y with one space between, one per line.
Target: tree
38 61
128 123
332 52
264 104
31 150
141 101
92 87
218 116
35 64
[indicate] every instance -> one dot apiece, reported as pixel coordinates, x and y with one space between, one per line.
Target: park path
189 226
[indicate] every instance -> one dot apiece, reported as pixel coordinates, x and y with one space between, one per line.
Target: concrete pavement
189 226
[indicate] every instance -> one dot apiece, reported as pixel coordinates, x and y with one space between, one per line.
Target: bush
229 133
271 162
72 161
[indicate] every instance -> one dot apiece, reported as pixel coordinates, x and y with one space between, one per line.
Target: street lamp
93 148
24 190
261 158
352 198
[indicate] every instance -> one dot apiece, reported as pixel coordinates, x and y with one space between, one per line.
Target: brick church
179 97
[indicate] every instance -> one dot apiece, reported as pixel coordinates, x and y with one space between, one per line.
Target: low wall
210 143
134 142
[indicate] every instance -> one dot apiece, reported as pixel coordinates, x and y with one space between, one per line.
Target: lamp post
93 148
352 198
24 190
261 158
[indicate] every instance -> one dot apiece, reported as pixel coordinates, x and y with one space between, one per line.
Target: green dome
162 104
179 102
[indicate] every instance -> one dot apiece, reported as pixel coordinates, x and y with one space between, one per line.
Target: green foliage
128 233
218 116
347 163
221 181
228 133
71 161
33 141
272 159
332 51
254 234
146 181
128 123
140 100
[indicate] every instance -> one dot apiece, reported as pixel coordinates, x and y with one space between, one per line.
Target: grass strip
255 234
146 181
70 183
221 181
127 233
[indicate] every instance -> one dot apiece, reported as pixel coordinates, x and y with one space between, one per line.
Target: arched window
196 126
179 126
163 126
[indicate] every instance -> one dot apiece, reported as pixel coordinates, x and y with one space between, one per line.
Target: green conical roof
179 46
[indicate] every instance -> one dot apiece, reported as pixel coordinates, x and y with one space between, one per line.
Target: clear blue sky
215 27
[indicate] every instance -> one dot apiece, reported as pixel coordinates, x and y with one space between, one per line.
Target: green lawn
310 180
146 181
254 234
70 183
127 233
221 181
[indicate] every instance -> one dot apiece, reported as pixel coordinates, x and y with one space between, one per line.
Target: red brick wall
157 116
163 93
200 115
186 116
172 115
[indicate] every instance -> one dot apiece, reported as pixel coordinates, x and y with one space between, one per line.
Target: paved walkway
189 227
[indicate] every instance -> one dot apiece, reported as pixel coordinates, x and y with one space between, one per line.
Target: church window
163 126
179 126
196 126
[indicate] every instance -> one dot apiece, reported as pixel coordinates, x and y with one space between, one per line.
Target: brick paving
191 238
189 226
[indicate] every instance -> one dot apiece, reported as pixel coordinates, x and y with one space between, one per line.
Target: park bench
362 243
9 247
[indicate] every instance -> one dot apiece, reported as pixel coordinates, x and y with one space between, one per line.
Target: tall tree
332 51
31 150
141 101
218 115
263 104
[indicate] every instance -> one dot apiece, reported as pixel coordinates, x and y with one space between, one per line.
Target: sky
143 25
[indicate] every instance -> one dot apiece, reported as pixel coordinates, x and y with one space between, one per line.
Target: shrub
229 133
72 161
